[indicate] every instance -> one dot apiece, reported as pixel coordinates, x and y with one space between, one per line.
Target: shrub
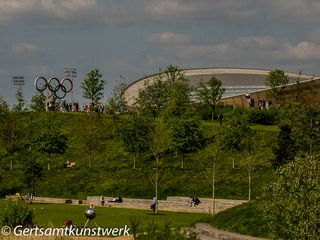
17 213
264 117
166 232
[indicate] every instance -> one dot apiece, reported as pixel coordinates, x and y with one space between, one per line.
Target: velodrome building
238 82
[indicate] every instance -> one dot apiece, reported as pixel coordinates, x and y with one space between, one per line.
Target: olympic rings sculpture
54 87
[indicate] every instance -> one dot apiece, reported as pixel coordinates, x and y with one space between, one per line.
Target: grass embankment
245 219
112 170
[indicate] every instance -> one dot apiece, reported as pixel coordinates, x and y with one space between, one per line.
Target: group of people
195 201
114 199
262 103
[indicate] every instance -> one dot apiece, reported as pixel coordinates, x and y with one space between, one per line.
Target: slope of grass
245 219
112 173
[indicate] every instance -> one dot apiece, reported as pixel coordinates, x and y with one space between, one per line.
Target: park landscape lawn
47 215
112 174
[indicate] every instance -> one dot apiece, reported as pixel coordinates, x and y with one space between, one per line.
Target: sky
128 40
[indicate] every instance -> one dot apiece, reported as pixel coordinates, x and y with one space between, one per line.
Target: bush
17 213
166 232
264 117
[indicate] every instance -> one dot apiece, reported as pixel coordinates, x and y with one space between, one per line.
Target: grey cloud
253 50
297 10
168 38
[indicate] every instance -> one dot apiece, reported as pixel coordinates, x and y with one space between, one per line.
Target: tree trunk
140 157
157 178
233 159
212 112
213 189
249 182
89 161
182 161
113 125
134 161
49 163
11 163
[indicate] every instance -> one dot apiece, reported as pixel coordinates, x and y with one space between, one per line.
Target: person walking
154 203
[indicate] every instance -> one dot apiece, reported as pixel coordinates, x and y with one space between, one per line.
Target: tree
185 136
135 134
292 199
233 133
90 136
12 133
178 99
116 103
38 103
159 144
50 140
93 86
173 73
32 172
276 80
169 95
19 107
248 146
153 98
284 151
210 92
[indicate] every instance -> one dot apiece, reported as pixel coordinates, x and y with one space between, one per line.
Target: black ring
38 85
62 89
71 84
54 87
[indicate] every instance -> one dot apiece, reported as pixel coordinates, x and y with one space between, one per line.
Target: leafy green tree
32 173
306 130
248 147
153 98
51 140
233 133
135 134
90 136
169 95
275 80
93 87
210 92
173 73
19 107
38 103
185 136
292 199
116 103
284 151
4 107
178 99
159 144
304 122
12 133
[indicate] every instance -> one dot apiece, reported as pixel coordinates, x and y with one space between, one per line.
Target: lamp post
18 81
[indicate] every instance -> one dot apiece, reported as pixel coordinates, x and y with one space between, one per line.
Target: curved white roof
228 76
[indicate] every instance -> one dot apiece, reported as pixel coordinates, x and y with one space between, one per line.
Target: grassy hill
112 170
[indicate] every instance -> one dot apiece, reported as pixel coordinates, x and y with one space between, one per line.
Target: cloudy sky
138 37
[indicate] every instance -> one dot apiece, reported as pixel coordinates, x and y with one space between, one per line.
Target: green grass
245 219
56 214
112 172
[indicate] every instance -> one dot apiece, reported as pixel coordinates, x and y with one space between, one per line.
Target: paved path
207 232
